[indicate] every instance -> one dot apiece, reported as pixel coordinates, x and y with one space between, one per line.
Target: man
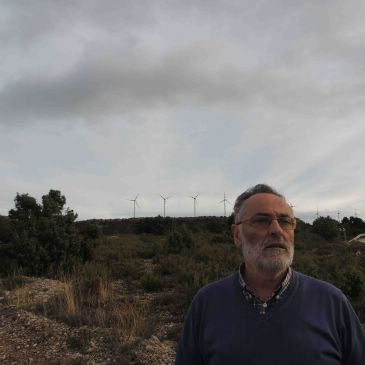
267 313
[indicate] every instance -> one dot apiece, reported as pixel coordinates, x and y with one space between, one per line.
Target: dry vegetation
126 305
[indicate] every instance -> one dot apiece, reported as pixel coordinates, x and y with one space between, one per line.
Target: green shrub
151 283
326 227
149 250
352 283
44 239
178 240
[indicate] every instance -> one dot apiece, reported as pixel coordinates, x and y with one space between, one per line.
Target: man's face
269 250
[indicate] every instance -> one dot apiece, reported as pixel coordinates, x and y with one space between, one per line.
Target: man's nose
275 228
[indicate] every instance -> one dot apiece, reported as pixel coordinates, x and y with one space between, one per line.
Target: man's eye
262 220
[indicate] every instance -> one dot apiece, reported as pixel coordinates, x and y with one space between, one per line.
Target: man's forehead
265 203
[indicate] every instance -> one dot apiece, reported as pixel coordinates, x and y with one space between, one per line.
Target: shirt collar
277 293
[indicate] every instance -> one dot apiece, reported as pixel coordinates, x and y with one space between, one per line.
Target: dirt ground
29 338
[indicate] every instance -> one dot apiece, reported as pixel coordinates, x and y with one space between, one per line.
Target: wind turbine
194 197
224 203
317 214
134 205
164 203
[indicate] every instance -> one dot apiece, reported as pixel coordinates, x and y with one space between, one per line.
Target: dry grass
69 300
87 298
17 293
21 297
131 321
91 301
12 281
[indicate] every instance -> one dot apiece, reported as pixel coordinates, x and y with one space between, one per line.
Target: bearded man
267 313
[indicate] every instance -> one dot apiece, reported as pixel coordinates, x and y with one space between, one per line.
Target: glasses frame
249 221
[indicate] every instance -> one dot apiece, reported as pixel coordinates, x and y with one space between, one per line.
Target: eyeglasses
260 221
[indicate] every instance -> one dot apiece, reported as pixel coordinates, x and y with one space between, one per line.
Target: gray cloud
182 97
306 58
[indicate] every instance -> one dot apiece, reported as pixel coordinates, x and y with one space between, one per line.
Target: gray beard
271 264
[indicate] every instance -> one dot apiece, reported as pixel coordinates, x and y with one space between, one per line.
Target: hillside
127 303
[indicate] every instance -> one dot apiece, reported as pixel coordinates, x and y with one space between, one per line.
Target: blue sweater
312 324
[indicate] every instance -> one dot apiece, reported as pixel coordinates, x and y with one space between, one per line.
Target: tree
45 240
326 227
6 232
356 222
53 203
353 225
26 207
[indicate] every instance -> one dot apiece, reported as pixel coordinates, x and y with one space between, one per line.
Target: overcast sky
105 100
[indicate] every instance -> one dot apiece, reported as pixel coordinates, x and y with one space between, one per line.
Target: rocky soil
29 337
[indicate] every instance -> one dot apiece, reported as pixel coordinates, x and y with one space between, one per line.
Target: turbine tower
224 203
164 203
317 214
134 205
194 197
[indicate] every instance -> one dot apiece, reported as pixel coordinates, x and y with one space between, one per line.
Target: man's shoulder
318 286
220 284
218 288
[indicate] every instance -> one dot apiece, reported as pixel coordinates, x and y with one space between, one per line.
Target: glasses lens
261 221
286 222
264 222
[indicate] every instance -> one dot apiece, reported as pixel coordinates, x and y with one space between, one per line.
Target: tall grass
12 281
69 300
88 299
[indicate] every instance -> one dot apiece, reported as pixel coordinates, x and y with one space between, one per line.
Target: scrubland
126 304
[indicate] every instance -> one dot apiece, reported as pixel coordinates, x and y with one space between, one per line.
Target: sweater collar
257 302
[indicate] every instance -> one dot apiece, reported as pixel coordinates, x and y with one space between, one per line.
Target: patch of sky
37 153
253 167
206 137
311 175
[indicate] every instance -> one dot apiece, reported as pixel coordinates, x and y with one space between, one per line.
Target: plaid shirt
262 305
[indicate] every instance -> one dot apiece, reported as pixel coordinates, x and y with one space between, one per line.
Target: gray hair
257 189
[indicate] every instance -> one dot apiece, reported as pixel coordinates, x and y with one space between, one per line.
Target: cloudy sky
105 100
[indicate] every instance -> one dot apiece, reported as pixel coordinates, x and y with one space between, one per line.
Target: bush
44 239
157 225
149 250
178 240
326 227
6 231
151 283
353 283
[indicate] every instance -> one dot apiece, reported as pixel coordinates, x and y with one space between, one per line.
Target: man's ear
235 230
